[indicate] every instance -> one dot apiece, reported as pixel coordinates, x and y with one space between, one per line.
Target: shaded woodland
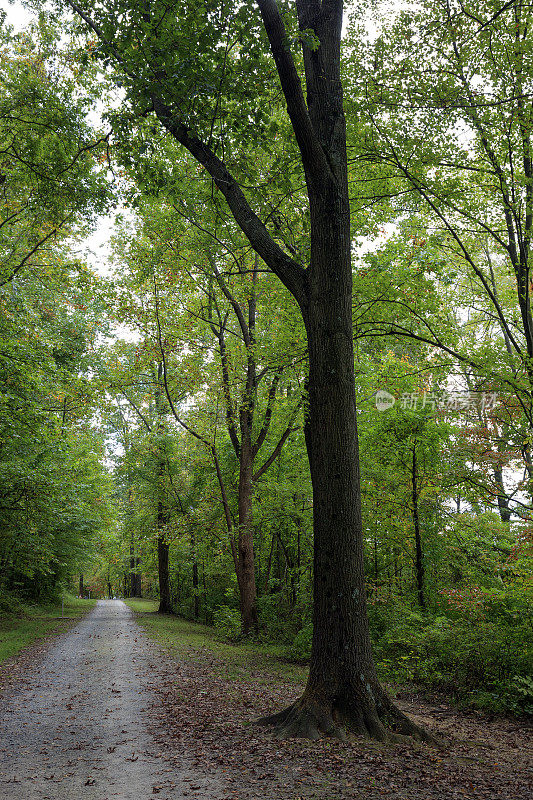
292 395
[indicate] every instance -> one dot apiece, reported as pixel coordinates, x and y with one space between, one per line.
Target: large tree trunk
342 688
343 691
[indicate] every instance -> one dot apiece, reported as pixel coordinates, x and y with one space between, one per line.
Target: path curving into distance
79 726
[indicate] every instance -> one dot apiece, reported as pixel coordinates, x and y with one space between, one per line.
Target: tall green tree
54 489
198 69
223 336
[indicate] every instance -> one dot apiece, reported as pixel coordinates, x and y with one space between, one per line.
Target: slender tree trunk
297 575
294 588
165 606
299 548
204 584
503 500
133 574
81 586
138 578
195 580
419 560
269 564
247 585
165 603
195 590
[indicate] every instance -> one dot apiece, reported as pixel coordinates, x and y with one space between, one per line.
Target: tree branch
275 453
268 414
314 160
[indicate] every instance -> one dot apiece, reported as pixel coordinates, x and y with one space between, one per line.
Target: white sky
17 15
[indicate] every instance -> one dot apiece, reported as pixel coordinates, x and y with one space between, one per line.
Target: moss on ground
189 640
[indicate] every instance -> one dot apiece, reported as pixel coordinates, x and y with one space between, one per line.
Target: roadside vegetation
480 660
202 643
23 624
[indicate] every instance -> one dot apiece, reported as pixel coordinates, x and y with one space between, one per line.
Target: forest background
152 413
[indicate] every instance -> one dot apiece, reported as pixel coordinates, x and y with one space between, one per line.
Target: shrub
300 649
485 661
279 621
227 623
518 694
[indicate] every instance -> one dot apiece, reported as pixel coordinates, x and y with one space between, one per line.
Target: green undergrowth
262 663
485 661
23 624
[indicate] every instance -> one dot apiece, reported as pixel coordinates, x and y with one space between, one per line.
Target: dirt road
80 726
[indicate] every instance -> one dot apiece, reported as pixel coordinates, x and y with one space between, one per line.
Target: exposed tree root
309 719
400 726
305 720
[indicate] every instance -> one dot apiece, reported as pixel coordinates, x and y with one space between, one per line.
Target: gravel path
80 725
108 714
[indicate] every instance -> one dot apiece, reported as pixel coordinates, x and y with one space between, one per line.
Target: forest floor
106 711
211 692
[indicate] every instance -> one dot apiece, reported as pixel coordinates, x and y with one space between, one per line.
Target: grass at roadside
26 624
200 643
